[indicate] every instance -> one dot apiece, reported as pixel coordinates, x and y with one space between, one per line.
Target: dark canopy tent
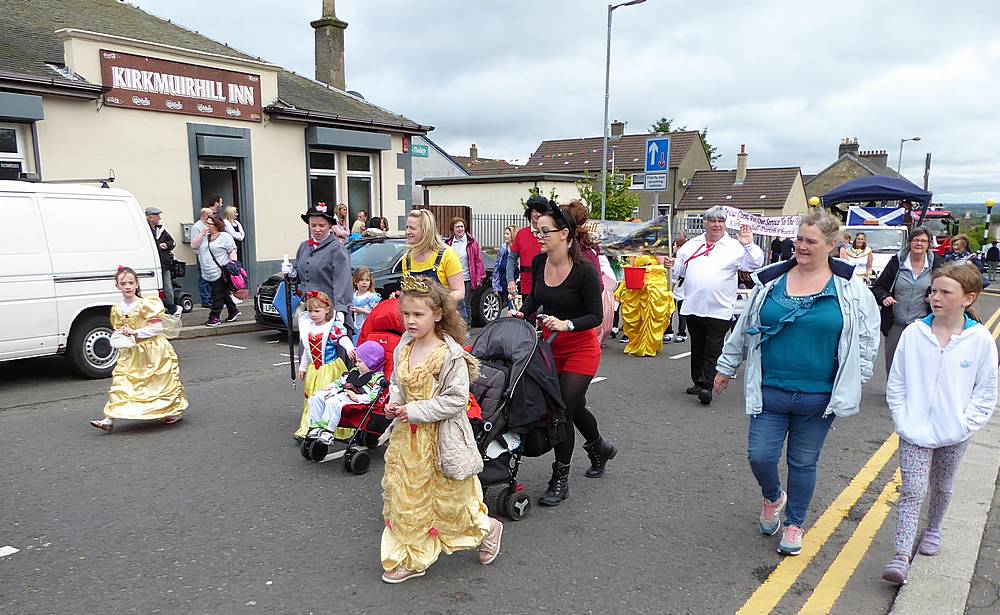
877 188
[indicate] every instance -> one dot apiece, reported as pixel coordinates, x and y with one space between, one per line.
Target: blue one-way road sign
657 154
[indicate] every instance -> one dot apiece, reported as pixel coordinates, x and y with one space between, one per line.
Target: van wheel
90 350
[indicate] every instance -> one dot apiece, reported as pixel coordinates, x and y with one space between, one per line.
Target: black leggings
574 394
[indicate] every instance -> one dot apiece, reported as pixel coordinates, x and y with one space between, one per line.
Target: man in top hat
323 263
164 246
525 247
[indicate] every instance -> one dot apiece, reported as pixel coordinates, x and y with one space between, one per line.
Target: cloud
786 78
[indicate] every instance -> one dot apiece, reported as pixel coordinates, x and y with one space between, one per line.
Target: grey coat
327 268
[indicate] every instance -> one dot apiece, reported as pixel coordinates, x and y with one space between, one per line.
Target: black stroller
523 411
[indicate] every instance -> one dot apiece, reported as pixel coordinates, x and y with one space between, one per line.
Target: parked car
61 248
384 257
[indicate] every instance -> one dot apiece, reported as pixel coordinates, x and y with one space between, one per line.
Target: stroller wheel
357 463
318 451
518 506
304 448
500 500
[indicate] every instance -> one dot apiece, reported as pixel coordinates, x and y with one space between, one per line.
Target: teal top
799 339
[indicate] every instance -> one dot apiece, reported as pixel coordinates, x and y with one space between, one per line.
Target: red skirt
576 352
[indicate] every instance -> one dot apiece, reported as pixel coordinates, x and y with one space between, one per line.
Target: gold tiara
415 284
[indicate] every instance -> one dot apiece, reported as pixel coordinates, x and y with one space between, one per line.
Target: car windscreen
379 255
884 240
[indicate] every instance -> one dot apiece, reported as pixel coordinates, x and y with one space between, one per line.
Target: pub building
88 86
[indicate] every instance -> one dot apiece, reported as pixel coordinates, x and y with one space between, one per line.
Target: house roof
764 188
504 178
578 155
28 45
487 166
888 171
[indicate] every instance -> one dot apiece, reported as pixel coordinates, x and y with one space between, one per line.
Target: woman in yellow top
427 256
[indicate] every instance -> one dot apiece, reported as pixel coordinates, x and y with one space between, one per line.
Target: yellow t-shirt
449 266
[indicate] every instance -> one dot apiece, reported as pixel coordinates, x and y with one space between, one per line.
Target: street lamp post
607 84
899 161
986 231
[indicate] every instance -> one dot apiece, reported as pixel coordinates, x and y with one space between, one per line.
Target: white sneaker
235 300
178 310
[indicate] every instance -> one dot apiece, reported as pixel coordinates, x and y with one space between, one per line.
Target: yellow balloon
990 203
814 201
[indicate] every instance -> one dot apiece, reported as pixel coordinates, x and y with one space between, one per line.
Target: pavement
219 513
194 322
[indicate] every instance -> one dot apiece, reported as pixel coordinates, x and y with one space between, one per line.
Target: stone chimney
876 159
330 47
741 166
474 152
848 146
617 130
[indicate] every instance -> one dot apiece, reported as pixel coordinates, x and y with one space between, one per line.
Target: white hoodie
939 396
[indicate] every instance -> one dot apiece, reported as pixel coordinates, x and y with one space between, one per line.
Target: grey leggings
921 467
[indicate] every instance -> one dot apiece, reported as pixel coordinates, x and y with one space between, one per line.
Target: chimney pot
741 166
329 50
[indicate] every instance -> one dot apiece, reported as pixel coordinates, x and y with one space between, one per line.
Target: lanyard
703 250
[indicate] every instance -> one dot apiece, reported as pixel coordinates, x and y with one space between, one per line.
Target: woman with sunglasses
566 295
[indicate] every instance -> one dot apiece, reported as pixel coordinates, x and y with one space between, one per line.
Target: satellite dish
355 94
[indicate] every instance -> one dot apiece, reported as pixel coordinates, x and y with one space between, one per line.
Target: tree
620 201
665 124
535 192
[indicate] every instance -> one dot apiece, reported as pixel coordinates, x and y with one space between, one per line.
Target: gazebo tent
877 188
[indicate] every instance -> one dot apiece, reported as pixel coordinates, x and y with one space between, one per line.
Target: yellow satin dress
425 513
146 381
646 312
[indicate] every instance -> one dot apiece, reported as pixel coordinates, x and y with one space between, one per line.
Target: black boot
600 452
558 485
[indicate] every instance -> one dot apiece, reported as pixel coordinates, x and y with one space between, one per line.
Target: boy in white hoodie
942 387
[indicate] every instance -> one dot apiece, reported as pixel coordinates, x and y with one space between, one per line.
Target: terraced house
91 86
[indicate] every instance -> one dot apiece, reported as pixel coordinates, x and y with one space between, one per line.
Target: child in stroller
358 385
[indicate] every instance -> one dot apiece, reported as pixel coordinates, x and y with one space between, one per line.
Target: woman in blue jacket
809 334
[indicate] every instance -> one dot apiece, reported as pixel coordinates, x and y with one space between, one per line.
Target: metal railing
488 228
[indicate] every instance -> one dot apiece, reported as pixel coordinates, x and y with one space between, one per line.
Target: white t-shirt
461 248
710 274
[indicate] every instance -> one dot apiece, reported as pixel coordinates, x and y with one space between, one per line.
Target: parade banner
629 238
152 84
778 226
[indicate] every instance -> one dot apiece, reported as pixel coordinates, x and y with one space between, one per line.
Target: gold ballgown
646 312
425 513
146 382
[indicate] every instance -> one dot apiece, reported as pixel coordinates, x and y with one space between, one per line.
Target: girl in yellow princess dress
325 344
146 382
433 502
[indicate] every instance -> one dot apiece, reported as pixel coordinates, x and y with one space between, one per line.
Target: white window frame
334 172
370 174
18 144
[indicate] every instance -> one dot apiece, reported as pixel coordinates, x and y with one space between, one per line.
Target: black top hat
535 203
321 210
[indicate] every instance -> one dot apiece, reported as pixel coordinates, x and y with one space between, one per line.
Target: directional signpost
657 163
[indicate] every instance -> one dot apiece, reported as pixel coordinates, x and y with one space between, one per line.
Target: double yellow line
829 588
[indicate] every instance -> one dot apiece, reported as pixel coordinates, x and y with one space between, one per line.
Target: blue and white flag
884 216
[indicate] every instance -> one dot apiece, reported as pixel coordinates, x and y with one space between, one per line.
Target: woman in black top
566 294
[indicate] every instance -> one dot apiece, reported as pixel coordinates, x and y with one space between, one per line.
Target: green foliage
620 201
534 192
665 124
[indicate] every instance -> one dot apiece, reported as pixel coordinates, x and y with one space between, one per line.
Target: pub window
360 185
12 161
323 178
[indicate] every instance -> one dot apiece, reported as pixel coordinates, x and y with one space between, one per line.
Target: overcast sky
788 79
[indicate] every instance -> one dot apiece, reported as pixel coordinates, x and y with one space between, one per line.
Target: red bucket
635 278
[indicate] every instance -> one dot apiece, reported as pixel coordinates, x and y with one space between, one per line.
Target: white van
60 247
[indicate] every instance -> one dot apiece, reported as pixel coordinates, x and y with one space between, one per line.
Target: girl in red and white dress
325 344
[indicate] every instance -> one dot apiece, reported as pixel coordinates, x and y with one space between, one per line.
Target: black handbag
885 312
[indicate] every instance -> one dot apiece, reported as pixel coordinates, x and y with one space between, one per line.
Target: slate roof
487 166
28 43
865 165
578 155
764 188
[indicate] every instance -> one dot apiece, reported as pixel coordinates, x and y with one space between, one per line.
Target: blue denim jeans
464 306
799 417
205 290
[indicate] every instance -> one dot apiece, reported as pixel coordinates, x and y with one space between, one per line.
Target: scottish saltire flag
885 216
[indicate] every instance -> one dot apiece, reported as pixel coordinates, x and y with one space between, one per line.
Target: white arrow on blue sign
657 154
